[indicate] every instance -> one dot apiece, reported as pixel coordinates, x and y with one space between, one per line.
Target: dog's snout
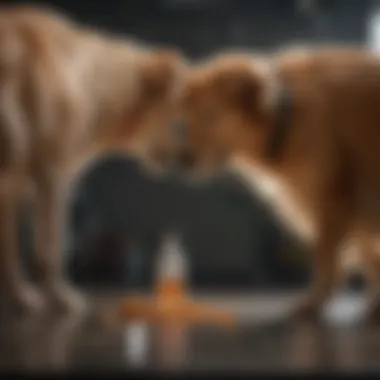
180 131
186 160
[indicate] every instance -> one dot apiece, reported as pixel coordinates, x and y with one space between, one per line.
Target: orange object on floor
170 301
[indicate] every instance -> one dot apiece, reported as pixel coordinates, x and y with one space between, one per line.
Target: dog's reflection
313 346
164 346
171 345
307 346
38 343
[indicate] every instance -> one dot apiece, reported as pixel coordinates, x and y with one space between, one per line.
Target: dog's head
145 128
228 104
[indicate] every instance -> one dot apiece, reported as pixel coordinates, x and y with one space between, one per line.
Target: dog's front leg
50 212
323 282
18 291
333 222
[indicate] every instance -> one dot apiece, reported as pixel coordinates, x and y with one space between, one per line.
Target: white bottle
136 343
172 268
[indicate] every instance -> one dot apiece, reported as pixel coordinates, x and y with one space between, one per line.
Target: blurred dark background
118 214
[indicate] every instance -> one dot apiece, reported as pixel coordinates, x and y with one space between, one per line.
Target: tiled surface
263 340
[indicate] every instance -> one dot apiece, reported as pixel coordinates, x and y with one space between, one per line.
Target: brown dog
68 94
303 129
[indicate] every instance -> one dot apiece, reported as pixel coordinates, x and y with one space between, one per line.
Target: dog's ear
160 71
250 90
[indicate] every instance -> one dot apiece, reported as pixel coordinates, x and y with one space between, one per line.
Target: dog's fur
67 94
323 179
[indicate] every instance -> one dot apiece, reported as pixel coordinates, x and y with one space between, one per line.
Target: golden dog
68 94
302 128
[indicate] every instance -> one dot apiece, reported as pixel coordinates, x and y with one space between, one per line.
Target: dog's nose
186 160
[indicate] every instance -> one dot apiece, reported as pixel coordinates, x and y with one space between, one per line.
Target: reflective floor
263 340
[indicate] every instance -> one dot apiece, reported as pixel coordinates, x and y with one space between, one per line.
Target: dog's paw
62 298
25 299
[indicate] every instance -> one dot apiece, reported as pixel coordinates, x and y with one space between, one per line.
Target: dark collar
282 122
